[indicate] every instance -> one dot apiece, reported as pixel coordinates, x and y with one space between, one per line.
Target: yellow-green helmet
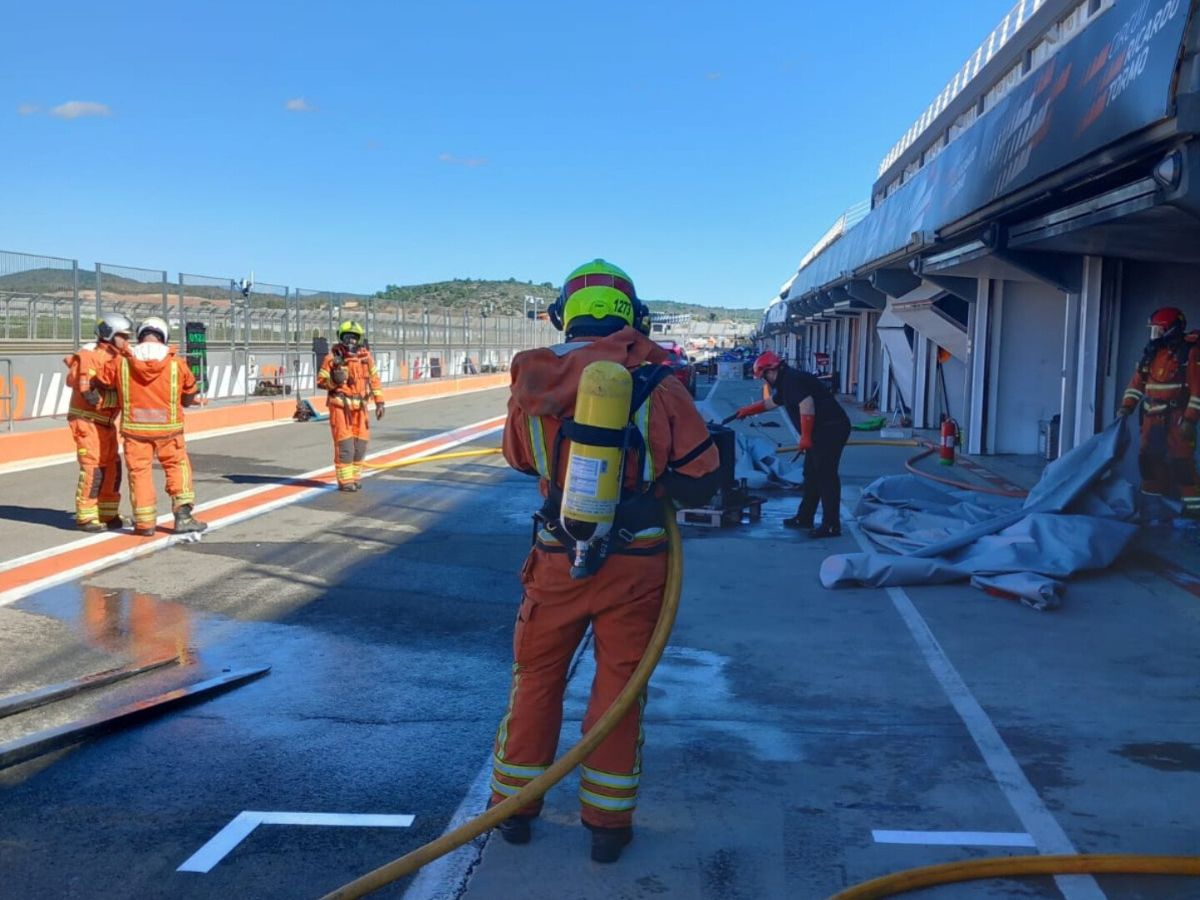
597 298
351 327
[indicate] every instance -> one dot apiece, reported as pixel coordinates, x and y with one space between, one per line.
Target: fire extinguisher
949 439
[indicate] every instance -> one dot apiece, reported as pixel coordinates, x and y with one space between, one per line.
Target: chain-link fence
138 293
240 340
39 298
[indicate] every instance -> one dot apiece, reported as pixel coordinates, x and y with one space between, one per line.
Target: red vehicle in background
681 365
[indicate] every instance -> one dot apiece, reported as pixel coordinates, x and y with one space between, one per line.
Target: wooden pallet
709 517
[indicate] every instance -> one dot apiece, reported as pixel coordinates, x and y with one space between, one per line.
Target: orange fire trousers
171 452
98 492
351 434
622 603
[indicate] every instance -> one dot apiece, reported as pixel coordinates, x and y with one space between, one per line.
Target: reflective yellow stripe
641 418
173 399
607 779
501 788
517 771
612 804
1163 387
537 442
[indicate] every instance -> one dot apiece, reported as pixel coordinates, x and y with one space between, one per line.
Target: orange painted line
92 554
31 445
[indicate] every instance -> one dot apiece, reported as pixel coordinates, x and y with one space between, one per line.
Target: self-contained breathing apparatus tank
595 471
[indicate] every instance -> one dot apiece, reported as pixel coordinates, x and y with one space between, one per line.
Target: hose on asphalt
911 466
1014 866
563 766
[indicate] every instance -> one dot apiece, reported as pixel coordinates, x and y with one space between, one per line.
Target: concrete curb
57 445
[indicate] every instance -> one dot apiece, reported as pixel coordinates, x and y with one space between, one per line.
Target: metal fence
39 298
264 340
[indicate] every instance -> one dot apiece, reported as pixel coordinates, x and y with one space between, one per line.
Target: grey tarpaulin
762 466
1080 515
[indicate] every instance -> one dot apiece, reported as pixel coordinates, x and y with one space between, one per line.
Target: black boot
824 531
516 829
798 521
116 523
91 527
607 843
185 523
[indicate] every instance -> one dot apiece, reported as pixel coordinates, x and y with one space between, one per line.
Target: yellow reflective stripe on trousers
516 771
506 789
611 804
537 443
607 779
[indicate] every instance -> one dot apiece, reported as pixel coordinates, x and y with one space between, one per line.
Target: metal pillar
864 351
1070 373
977 368
1089 365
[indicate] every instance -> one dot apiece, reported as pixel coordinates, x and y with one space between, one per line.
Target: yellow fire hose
1014 866
885 886
410 862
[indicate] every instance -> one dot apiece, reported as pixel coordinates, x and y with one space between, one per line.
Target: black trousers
822 485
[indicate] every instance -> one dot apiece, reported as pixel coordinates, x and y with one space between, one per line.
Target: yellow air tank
592 487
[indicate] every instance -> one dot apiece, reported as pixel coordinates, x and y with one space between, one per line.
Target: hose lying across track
885 886
1014 866
562 767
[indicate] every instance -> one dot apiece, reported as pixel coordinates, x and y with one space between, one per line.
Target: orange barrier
30 445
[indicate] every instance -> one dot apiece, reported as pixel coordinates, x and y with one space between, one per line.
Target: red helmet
1167 322
769 359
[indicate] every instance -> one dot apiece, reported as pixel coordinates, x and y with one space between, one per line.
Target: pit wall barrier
28 446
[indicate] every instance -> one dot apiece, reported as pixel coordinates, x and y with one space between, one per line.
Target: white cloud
76 109
713 76
470 162
28 109
300 105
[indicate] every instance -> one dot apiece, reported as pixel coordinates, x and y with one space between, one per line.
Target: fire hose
562 767
1012 866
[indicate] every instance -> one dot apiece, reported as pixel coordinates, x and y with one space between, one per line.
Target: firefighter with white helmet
153 386
92 420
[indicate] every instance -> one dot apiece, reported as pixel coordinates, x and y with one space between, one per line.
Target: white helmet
110 325
157 325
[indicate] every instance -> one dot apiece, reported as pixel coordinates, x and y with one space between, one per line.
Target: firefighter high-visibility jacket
151 383
1168 378
1167 385
84 367
362 383
621 601
98 488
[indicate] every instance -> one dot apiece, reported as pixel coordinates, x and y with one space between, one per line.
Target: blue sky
703 146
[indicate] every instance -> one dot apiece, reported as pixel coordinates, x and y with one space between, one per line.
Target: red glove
752 410
806 432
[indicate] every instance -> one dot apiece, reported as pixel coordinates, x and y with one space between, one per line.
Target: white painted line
447 440
1048 836
220 844
955 838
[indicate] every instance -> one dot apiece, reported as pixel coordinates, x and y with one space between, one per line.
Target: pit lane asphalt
785 724
374 610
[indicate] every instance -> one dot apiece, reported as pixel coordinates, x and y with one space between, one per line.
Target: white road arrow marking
245 822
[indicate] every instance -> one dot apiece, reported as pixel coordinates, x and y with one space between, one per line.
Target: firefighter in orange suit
348 373
153 385
92 418
622 598
1167 385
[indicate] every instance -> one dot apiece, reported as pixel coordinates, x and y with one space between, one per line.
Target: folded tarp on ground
1081 515
762 466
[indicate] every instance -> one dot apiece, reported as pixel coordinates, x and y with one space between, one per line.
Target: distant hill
509 297
497 297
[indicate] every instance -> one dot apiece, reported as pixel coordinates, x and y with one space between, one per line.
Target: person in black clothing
824 429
